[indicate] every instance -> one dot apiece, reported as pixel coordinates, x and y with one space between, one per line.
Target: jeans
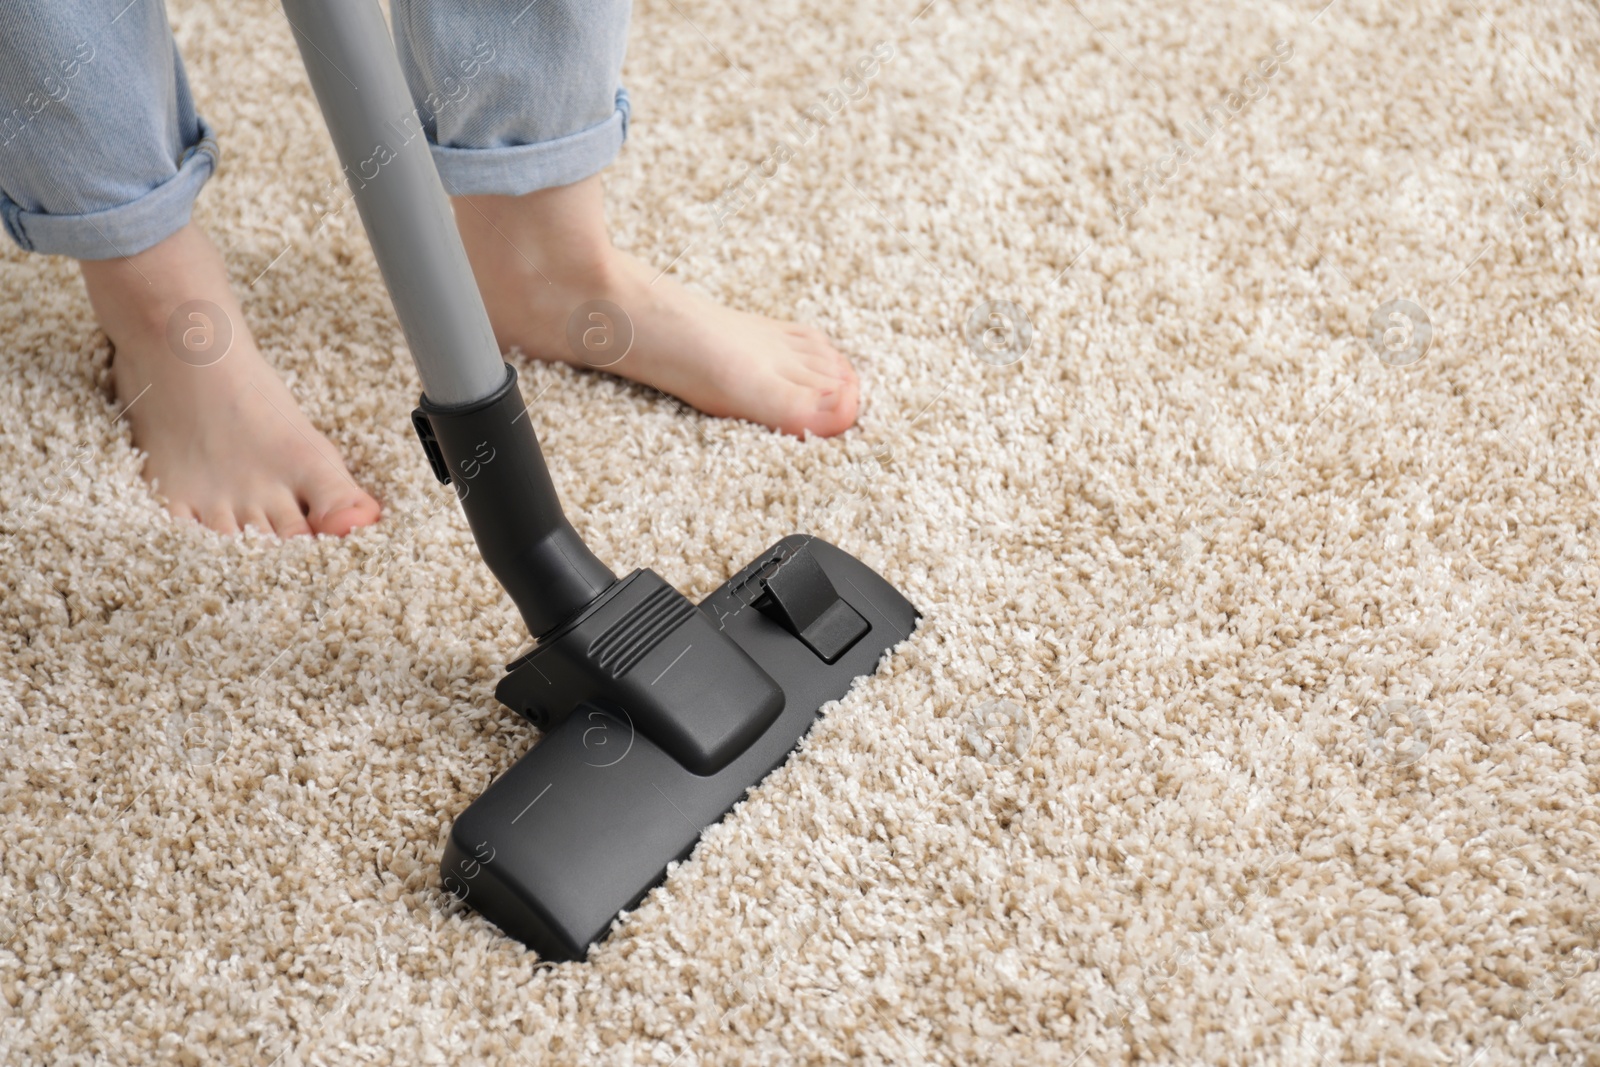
102 153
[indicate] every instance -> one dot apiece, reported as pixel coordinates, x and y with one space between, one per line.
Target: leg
523 110
101 157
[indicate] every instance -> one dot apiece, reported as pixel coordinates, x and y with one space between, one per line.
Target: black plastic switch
799 597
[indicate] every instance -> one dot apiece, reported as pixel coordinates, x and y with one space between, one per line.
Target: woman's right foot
225 442
553 285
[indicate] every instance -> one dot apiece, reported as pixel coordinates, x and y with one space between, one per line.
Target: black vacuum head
659 715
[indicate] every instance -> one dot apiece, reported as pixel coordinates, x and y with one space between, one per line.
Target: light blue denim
102 153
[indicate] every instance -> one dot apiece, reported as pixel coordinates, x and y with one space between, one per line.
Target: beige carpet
1254 719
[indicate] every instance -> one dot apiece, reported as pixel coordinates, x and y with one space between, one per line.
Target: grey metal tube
356 75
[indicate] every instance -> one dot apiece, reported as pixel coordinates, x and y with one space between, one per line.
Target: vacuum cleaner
657 713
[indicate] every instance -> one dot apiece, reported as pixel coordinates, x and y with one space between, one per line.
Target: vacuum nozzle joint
489 453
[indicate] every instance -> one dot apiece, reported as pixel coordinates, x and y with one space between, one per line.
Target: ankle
129 309
136 298
553 236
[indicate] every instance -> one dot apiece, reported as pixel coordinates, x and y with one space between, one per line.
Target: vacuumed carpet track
1230 377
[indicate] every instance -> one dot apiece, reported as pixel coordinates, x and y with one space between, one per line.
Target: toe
844 369
819 354
811 371
336 506
813 342
826 412
838 409
183 511
341 519
254 517
219 517
809 334
283 511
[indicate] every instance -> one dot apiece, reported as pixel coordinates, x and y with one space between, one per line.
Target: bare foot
225 442
548 272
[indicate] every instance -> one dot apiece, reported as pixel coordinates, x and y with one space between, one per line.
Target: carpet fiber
1253 718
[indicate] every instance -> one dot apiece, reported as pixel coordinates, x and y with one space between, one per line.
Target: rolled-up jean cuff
127 228
528 168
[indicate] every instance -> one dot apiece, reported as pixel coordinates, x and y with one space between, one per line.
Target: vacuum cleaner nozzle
587 823
659 714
